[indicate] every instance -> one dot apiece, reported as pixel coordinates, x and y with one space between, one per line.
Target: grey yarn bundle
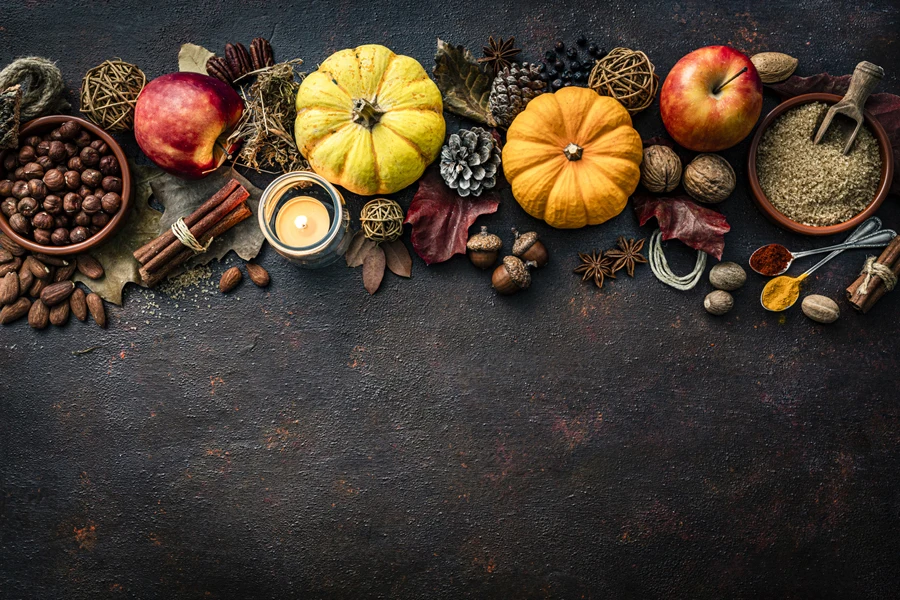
41 82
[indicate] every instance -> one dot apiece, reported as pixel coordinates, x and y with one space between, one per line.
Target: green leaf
465 87
192 58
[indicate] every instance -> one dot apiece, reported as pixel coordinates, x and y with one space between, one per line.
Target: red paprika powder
771 259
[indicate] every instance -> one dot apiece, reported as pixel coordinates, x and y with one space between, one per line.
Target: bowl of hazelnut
65 189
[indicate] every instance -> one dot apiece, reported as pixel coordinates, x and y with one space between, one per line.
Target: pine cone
512 89
469 161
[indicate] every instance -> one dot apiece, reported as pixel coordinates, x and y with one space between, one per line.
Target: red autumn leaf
441 218
884 107
683 219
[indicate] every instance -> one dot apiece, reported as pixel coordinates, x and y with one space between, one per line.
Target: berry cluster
565 67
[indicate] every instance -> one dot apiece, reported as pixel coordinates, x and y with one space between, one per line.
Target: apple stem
729 80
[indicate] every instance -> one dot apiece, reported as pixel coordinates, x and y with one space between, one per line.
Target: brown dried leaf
373 269
398 259
192 58
463 84
360 246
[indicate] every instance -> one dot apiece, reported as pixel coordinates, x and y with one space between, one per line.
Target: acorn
484 248
528 247
512 275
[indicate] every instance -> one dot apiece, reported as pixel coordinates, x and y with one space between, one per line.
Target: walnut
709 178
661 169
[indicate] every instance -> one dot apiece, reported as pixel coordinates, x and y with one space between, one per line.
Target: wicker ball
382 220
109 92
628 76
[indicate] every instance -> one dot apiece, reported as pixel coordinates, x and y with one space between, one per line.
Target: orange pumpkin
572 158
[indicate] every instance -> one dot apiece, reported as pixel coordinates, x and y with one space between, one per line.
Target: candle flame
300 222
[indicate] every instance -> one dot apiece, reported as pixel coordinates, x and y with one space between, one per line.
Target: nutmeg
60 236
54 180
111 203
109 165
52 204
661 169
89 156
112 184
709 178
820 309
727 276
718 302
91 177
529 248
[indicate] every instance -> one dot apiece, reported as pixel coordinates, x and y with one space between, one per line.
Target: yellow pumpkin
369 120
572 158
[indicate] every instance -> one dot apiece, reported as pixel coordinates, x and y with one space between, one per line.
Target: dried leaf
464 85
398 259
192 58
683 219
141 226
441 218
359 248
373 269
884 107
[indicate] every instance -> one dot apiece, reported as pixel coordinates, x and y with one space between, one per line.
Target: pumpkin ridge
381 81
414 146
339 86
375 168
576 182
322 138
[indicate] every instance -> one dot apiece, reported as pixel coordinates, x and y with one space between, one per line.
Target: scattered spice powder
816 184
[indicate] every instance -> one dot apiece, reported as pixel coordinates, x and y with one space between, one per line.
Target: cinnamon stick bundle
863 297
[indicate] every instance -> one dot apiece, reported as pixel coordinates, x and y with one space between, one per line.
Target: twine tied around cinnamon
181 231
875 268
626 75
109 92
382 220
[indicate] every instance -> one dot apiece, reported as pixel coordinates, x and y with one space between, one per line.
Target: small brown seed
59 314
95 306
39 315
89 266
258 275
9 288
78 304
230 279
55 293
15 311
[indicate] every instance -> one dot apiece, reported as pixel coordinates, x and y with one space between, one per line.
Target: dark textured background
435 440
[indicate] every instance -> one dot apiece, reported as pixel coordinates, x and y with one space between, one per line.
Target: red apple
704 111
181 121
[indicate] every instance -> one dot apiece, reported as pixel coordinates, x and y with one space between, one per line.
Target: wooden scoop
865 77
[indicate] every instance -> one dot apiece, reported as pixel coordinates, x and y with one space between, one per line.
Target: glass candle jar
304 218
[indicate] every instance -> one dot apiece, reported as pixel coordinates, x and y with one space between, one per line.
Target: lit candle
302 221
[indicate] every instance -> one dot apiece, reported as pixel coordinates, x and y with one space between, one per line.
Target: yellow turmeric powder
781 293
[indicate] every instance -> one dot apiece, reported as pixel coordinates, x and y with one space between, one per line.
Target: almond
5 256
55 293
89 266
26 278
10 246
37 268
774 66
257 274
64 273
78 304
230 279
39 315
10 266
95 306
9 288
36 288
15 311
59 314
53 261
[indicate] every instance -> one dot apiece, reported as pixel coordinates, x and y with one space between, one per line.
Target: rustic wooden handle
865 77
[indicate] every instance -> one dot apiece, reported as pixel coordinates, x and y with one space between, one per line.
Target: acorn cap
517 270
484 242
523 242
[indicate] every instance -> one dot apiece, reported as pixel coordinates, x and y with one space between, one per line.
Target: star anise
595 266
627 255
499 53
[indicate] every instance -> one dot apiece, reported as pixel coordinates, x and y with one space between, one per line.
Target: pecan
78 304
238 59
95 305
59 314
39 315
218 68
261 53
15 311
55 293
9 288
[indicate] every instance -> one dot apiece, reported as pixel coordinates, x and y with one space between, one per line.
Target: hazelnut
112 184
42 220
6 187
727 276
71 149
79 234
19 173
42 148
71 203
529 248
37 189
100 146
20 224
28 207
91 177
709 178
84 191
42 237
10 162
60 236
26 155
82 219
57 151
100 220
718 302
109 165
55 134
83 139
52 204
89 156
820 309
20 189
73 180
33 141
94 230
33 171
91 204
111 203
661 169
483 248
46 162
61 220
511 276
54 180
75 164
8 207
69 130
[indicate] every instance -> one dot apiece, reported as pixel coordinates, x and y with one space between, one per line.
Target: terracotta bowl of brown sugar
769 209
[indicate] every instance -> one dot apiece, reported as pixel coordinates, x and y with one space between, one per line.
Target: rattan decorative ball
109 92
628 76
382 220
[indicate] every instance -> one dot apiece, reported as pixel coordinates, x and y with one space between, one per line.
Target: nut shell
511 276
774 66
820 309
709 178
718 302
727 276
660 169
484 242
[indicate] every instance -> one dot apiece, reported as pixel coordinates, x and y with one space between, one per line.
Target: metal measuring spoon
792 284
867 235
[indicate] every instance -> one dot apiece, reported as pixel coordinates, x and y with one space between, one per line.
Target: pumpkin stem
365 113
573 151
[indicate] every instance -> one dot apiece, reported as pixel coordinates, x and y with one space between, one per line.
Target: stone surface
435 440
